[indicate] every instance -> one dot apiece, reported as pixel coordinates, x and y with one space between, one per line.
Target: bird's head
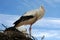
40 12
42 9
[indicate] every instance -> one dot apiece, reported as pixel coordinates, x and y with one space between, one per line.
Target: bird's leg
30 30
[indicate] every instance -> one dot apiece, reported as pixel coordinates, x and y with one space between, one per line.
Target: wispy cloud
50 28
48 23
8 19
46 33
52 2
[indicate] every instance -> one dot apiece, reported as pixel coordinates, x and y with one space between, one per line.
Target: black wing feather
23 18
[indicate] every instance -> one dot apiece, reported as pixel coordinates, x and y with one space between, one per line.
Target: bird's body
24 21
30 17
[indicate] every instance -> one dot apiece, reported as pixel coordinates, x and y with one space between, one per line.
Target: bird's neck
40 14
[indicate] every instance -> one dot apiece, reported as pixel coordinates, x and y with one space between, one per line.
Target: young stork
30 18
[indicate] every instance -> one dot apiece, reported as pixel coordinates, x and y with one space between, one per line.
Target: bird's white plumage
32 12
22 29
38 13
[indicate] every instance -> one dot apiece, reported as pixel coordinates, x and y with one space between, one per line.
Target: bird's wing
23 18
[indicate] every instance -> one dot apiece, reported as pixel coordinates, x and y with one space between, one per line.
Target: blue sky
49 25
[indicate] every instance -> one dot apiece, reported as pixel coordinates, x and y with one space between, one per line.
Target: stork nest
13 34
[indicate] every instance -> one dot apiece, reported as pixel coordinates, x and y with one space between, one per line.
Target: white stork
30 18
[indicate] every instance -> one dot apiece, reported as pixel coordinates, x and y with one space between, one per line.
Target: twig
4 26
43 37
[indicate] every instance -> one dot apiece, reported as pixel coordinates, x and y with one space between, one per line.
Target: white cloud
47 33
48 22
8 19
52 23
